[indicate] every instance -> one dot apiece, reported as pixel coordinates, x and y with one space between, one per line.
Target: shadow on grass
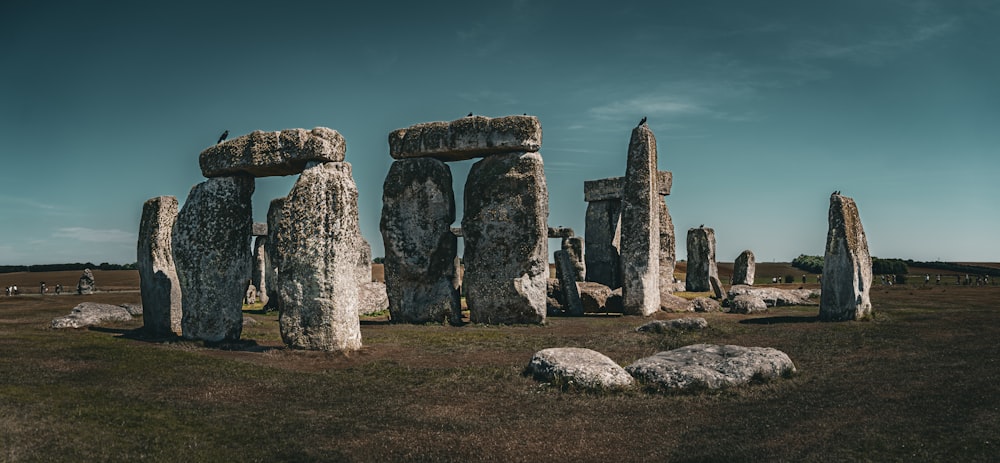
140 334
780 320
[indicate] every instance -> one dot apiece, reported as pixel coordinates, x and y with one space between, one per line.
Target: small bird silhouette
222 137
642 122
470 115
701 226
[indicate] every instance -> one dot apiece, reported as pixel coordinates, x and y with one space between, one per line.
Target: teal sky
760 109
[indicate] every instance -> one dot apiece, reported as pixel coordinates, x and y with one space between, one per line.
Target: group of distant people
43 289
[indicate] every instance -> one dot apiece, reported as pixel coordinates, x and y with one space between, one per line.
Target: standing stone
506 239
601 241
574 246
418 207
701 267
86 284
161 291
258 275
566 274
744 268
318 246
668 246
640 235
847 266
212 255
271 273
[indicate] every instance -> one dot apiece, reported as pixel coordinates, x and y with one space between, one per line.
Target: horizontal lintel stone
611 188
467 138
266 154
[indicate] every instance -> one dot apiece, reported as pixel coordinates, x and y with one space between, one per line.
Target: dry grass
921 382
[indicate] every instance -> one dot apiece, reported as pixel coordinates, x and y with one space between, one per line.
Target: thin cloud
656 106
877 50
91 235
26 202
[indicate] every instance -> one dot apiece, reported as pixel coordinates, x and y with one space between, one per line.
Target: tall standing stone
506 239
574 246
318 249
640 236
745 268
212 256
418 208
258 275
161 291
567 276
602 239
701 266
668 246
271 274
847 265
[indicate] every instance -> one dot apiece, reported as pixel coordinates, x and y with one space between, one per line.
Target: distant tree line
61 267
814 264
951 267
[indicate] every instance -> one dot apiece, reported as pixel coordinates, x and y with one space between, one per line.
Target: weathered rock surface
258 229
567 276
701 265
704 304
467 138
134 310
717 290
602 238
158 283
211 244
707 366
271 254
577 368
561 232
672 303
847 265
418 207
668 247
372 298
683 324
92 313
86 283
611 188
640 234
506 239
747 303
263 154
745 268
774 297
319 246
594 297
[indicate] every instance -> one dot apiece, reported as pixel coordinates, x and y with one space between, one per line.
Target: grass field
920 382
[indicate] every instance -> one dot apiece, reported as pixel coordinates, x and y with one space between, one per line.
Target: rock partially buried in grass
574 367
92 313
662 326
747 303
705 304
709 366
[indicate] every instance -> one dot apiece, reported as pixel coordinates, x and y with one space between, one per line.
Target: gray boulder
158 284
672 303
92 313
418 207
319 244
847 265
467 138
745 268
775 297
682 324
747 303
506 239
704 304
640 229
594 297
263 154
707 366
211 244
567 276
577 368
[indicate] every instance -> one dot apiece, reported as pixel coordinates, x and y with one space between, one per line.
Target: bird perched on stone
470 115
701 226
222 137
642 122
